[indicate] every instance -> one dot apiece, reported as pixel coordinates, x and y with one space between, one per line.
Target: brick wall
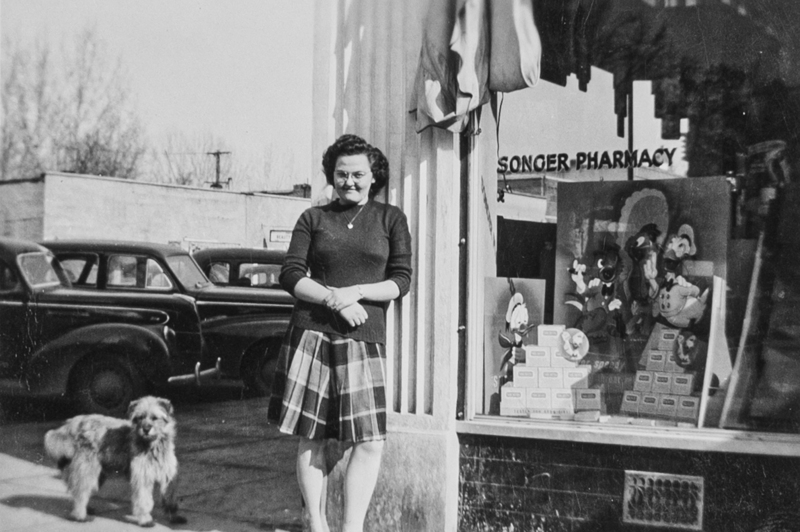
547 486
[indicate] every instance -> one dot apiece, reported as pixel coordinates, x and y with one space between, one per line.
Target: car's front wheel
106 385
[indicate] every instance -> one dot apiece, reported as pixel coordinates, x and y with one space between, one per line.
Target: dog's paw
77 518
147 524
176 519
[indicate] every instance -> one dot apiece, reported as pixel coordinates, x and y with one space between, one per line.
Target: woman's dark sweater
377 248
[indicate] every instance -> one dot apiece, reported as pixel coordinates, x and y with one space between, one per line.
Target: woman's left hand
341 298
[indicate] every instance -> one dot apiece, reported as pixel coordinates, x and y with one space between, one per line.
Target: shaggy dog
90 447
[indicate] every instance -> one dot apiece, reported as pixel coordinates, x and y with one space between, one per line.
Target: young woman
346 261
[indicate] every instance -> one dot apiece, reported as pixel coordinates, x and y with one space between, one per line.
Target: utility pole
217 154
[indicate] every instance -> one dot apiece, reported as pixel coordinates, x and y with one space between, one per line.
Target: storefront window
641 231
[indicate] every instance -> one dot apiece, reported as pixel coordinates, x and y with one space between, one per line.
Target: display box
512 397
668 406
577 377
558 360
562 400
538 356
656 360
538 399
525 377
671 365
667 339
615 383
662 382
551 377
513 411
648 406
688 408
683 383
630 402
643 381
549 335
589 399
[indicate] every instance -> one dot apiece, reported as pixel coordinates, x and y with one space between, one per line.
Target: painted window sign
591 160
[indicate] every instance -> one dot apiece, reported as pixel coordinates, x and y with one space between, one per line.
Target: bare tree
186 160
69 113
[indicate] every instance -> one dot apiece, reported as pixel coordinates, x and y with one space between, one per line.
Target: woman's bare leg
359 483
312 476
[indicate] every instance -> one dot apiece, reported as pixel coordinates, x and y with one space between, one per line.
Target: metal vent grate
658 499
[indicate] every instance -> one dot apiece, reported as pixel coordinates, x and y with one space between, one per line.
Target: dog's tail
60 446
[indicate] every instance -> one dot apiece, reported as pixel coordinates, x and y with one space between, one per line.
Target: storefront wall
450 464
366 56
531 469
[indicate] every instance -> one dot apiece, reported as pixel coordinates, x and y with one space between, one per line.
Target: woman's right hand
354 315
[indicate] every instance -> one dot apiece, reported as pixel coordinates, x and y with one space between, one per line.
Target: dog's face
151 418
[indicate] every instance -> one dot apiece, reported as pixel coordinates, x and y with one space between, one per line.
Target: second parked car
255 267
241 327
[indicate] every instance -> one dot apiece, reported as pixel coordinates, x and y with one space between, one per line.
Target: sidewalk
236 475
35 499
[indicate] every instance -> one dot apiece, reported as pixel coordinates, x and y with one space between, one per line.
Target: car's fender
49 370
231 338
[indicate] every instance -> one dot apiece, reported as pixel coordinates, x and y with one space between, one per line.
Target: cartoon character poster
513 309
636 256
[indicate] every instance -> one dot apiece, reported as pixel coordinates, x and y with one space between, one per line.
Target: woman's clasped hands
345 301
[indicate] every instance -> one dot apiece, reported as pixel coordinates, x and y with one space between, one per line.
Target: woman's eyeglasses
344 176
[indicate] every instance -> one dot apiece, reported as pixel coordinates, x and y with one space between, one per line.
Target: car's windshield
40 270
187 271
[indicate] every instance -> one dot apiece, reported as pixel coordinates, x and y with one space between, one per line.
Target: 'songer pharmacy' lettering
559 162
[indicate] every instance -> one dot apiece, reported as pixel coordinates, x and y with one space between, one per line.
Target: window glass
634 182
220 272
188 272
81 271
122 271
261 275
8 279
38 270
156 278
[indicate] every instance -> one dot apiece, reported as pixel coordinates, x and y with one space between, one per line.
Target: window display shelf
690 439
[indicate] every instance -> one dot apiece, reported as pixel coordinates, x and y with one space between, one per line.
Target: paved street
236 472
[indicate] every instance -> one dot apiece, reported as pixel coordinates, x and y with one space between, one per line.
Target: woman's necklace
350 222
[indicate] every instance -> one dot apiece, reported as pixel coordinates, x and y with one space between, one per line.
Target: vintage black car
241 327
254 267
100 350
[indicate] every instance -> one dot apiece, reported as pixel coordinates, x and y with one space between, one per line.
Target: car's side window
82 271
156 279
219 272
9 282
263 275
121 271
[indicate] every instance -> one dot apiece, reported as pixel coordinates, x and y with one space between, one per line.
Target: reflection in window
37 269
263 275
81 271
156 278
8 279
220 272
187 271
122 271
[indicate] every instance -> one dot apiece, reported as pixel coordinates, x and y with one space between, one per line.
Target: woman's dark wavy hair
355 145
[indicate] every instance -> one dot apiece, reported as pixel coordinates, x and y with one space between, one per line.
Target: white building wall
366 56
22 208
77 206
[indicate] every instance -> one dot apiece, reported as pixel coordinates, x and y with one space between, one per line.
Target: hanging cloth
463 42
516 57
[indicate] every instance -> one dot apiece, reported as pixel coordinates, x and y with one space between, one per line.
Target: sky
238 71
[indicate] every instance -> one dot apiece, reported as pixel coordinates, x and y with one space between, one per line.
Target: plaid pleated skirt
329 386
